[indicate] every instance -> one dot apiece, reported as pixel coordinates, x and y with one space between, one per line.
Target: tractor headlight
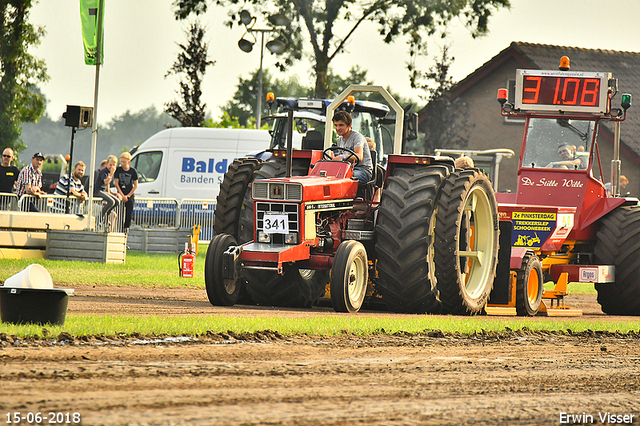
291 238
263 237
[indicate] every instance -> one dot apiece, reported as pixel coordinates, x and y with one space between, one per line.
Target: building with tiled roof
490 130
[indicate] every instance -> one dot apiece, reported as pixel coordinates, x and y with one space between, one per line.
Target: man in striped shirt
75 186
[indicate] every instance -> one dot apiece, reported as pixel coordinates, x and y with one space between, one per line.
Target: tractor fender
601 208
517 254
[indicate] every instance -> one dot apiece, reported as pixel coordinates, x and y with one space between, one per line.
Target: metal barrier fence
155 212
57 204
147 212
8 201
198 212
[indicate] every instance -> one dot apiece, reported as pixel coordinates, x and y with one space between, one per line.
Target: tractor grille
276 191
291 210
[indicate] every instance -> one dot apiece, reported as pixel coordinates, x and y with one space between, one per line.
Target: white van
190 162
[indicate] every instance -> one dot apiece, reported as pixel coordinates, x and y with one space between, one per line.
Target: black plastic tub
33 306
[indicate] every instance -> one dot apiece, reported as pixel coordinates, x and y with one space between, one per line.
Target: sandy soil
512 378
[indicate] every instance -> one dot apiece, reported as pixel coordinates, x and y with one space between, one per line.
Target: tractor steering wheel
349 151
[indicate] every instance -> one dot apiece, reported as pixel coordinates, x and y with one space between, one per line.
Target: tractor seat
368 190
313 140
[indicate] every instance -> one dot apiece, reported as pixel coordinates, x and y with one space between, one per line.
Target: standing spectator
73 186
30 180
104 179
126 179
8 173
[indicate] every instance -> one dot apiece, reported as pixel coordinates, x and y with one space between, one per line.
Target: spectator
8 173
623 183
464 162
104 179
73 186
126 179
30 180
371 143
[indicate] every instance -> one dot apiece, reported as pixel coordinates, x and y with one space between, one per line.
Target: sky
141 39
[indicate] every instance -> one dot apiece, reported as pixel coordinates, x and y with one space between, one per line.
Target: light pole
276 45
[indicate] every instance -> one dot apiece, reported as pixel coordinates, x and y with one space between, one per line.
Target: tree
193 62
330 24
445 123
20 101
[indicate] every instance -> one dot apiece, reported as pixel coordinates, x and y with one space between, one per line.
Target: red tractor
423 236
561 224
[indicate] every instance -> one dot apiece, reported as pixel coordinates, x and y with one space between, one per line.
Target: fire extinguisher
186 261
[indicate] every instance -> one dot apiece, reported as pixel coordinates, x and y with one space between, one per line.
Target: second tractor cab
560 224
423 238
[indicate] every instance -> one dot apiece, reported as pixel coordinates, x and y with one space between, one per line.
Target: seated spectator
73 186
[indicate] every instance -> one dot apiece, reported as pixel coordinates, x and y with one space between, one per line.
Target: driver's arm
358 151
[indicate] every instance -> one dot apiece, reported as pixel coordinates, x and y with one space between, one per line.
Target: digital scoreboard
567 91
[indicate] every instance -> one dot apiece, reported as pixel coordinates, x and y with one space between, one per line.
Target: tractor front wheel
220 291
349 277
529 286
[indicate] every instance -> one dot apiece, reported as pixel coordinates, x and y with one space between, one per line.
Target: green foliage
326 27
228 122
140 270
445 120
20 101
192 62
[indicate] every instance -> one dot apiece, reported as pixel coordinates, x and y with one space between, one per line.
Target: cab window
147 164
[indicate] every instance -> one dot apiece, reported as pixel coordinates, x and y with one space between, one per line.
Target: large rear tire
231 196
220 291
404 230
618 244
349 276
295 287
529 286
466 243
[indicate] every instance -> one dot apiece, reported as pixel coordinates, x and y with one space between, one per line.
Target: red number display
576 91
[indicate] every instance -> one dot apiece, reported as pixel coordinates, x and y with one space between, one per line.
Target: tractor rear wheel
529 286
231 196
404 231
349 276
220 291
466 243
618 244
295 287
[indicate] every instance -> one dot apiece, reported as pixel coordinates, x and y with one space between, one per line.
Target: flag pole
94 127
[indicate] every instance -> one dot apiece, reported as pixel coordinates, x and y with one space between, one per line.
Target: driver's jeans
363 175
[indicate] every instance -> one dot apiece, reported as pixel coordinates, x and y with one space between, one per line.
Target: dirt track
267 378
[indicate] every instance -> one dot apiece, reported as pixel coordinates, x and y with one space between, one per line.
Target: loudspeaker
78 116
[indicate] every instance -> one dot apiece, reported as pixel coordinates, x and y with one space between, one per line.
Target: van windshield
147 164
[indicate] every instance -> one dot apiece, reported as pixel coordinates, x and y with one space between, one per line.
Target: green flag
89 13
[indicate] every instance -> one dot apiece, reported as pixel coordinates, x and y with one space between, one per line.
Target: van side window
147 164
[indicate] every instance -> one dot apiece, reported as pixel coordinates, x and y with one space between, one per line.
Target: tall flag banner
89 13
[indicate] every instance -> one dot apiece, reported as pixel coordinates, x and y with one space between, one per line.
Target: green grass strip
87 325
140 270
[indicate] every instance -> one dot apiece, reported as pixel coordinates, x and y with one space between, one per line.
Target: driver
568 159
348 138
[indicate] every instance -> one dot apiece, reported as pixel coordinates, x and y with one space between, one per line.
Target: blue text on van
191 165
